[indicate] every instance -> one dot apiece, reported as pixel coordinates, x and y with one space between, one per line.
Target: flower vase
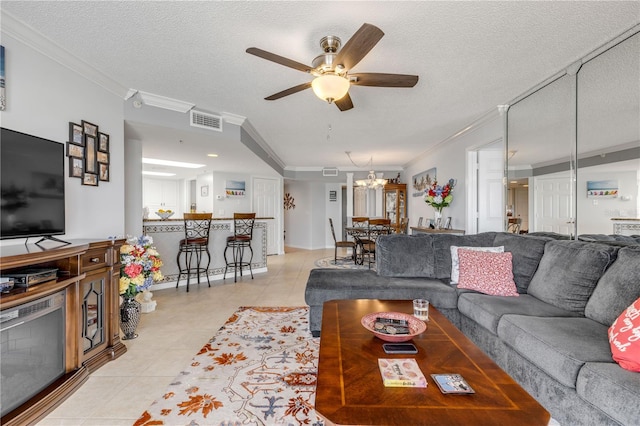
129 317
437 219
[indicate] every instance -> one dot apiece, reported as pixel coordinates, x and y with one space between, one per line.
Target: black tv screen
32 186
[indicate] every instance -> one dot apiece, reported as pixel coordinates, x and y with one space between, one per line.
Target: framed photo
447 223
204 190
90 129
103 172
75 134
90 163
90 179
74 150
102 157
103 142
76 167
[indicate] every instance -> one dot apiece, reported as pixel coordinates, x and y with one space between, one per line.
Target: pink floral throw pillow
624 338
486 272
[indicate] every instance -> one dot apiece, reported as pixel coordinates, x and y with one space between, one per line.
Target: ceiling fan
332 68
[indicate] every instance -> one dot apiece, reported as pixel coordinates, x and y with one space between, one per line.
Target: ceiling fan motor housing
325 63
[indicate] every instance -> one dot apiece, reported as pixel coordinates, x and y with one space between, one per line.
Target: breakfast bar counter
167 234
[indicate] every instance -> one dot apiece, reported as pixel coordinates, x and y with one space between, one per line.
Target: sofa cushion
617 288
455 260
612 389
527 252
400 255
569 271
334 284
558 346
442 249
487 310
624 337
486 272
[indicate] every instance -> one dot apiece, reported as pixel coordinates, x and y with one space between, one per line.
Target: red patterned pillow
624 338
486 272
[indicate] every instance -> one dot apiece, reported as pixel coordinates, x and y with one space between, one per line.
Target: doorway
485 191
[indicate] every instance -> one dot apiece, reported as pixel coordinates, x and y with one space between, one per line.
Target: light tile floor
117 393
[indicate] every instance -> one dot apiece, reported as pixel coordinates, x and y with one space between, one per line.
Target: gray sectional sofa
552 338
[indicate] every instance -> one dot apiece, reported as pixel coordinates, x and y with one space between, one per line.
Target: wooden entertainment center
88 272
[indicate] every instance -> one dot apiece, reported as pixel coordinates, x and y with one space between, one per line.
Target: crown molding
238 120
158 101
29 36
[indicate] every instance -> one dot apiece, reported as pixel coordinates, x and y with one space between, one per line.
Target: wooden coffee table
350 389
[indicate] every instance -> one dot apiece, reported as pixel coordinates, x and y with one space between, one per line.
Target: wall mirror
608 135
540 148
573 149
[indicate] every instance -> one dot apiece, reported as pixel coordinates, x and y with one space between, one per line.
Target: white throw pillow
455 261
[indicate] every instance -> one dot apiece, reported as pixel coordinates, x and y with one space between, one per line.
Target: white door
521 206
266 203
553 206
490 188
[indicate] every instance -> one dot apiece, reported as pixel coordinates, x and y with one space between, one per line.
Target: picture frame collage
88 153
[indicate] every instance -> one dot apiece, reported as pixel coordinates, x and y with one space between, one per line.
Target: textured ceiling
469 56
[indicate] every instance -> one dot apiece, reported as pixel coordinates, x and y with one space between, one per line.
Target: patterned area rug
328 262
259 369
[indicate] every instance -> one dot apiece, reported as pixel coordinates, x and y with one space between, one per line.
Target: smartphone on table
399 348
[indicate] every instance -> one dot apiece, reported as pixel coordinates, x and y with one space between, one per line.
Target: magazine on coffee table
452 383
401 372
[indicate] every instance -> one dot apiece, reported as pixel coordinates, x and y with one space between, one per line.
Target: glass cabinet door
93 314
390 203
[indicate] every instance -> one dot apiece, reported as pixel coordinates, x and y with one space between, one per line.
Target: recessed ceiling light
172 163
212 155
158 173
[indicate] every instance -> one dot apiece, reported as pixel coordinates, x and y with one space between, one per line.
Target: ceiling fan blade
279 59
289 91
383 80
344 103
358 46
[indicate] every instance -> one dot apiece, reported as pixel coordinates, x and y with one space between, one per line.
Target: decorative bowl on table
391 329
164 214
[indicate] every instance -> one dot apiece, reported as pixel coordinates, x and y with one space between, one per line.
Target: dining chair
404 225
343 244
367 246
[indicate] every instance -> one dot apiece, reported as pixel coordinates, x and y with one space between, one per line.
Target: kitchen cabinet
159 194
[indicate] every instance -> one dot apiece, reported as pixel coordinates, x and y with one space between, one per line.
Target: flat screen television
31 186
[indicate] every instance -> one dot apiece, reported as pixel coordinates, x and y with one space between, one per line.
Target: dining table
365 237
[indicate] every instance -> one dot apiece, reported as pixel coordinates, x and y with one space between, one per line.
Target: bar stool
195 243
241 239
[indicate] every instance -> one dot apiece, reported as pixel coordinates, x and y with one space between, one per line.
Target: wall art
235 188
602 188
88 152
422 181
288 202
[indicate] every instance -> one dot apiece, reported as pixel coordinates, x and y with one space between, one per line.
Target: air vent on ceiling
206 121
330 171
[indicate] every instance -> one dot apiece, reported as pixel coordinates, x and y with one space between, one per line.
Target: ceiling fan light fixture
330 87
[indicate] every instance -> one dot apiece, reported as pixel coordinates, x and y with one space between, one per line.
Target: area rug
328 262
259 369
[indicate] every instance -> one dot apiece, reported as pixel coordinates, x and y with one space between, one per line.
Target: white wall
449 160
42 98
594 214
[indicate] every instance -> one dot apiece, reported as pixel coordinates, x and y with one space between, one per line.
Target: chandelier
372 181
